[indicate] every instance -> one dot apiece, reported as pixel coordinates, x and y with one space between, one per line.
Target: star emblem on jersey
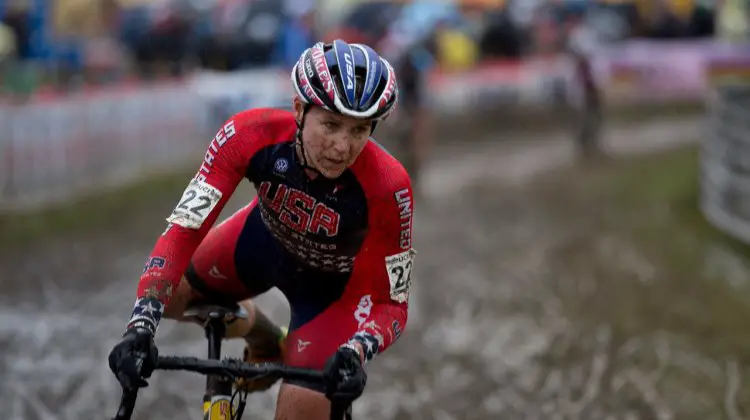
147 313
148 308
369 343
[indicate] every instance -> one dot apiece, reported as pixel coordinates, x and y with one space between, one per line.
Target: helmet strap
300 144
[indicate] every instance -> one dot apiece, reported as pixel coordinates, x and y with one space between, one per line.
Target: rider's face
332 142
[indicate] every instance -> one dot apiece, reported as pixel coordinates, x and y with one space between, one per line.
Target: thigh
312 342
214 271
310 345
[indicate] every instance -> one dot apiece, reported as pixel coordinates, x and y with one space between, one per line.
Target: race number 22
399 267
196 203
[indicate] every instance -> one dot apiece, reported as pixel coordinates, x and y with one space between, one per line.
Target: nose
340 145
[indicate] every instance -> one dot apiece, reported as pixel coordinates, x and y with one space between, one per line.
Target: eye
361 130
331 125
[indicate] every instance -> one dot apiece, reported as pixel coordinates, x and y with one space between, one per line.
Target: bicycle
219 398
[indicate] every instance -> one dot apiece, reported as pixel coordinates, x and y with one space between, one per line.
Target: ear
299 109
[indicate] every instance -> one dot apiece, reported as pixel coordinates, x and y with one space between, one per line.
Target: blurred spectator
19 77
734 20
243 33
16 17
367 22
421 32
83 41
297 34
663 21
7 53
7 43
158 34
581 43
702 21
500 36
456 50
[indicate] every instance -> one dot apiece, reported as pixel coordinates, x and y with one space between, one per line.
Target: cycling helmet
350 79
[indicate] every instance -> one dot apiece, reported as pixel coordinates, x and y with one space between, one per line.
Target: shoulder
269 125
381 175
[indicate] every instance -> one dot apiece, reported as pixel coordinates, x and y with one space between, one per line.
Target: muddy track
489 335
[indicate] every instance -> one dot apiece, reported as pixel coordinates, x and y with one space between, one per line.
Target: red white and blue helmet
350 79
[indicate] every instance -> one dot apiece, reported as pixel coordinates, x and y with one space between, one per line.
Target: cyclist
330 227
410 46
415 139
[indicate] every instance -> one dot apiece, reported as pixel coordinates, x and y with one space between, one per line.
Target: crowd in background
73 43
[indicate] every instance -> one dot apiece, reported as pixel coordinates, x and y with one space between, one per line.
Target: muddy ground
531 300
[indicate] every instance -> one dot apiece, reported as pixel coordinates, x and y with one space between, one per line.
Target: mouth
334 162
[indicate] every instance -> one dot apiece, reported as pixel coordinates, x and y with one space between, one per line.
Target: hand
134 358
344 376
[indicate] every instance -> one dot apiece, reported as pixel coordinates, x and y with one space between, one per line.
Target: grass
669 180
645 208
643 262
110 208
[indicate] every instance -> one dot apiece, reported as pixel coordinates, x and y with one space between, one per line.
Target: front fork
217 401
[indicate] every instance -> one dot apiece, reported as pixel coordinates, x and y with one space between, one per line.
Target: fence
58 149
725 159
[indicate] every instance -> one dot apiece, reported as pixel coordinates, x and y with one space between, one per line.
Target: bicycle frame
217 401
220 374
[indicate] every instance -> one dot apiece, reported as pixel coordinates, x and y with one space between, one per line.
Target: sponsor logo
281 165
307 90
302 345
349 71
223 136
390 89
403 199
221 409
215 273
300 211
396 329
319 62
154 262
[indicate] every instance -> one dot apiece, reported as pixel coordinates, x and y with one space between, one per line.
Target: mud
498 325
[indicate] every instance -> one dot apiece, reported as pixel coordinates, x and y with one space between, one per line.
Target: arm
222 169
386 264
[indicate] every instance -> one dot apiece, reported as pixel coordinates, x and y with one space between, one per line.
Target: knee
181 297
298 403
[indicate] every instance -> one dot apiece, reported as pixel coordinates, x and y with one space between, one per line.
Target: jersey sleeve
385 265
224 165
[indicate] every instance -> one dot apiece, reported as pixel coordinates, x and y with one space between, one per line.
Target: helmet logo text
319 62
